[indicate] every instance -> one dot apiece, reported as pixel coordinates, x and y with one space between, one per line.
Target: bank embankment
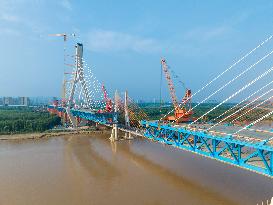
33 136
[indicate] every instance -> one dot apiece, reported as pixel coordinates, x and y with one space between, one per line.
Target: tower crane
64 84
182 111
64 35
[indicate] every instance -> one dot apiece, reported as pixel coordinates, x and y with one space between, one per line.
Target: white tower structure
114 134
126 110
78 78
127 117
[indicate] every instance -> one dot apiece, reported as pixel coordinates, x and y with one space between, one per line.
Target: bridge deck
254 134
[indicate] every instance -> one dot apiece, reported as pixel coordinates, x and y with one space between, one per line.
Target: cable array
237 111
242 102
236 93
224 72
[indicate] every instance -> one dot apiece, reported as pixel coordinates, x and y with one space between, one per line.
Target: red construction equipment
108 101
182 111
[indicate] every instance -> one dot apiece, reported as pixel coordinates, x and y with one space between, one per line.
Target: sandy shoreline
33 136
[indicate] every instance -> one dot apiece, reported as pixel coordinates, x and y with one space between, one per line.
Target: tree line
25 120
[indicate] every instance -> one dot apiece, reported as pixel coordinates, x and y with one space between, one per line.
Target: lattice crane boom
181 113
108 101
170 83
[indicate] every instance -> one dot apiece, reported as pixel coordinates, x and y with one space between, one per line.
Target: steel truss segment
221 150
228 138
271 162
262 156
204 142
186 139
102 118
232 152
254 154
225 149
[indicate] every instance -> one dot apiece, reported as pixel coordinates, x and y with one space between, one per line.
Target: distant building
8 101
15 101
24 101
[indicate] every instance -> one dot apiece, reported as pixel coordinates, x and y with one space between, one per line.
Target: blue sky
124 41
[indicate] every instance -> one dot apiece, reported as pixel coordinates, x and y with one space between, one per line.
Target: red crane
108 101
182 113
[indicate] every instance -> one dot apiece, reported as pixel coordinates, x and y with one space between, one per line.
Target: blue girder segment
223 148
51 106
102 118
60 109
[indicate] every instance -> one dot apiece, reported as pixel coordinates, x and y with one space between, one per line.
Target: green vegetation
25 120
153 111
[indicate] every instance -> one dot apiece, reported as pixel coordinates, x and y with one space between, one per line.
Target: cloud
107 41
216 32
14 21
208 33
66 4
224 30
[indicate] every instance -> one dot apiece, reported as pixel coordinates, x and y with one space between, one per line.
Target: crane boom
181 113
64 35
170 83
109 104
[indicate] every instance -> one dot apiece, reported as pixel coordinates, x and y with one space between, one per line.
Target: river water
89 169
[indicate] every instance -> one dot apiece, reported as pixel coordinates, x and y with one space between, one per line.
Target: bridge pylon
114 134
127 116
77 78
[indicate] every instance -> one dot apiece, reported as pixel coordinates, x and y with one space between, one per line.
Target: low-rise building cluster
14 101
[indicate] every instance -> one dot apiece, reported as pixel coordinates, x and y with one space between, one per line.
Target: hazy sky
124 41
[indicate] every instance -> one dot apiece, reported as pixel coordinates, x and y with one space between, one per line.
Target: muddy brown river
89 169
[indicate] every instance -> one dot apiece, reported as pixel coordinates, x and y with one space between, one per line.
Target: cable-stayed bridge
85 100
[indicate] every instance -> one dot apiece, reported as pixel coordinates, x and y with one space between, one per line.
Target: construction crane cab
185 111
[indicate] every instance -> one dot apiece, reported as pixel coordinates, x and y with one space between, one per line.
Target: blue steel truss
257 157
102 118
59 109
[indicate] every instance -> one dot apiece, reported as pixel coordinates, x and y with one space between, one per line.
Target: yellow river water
89 169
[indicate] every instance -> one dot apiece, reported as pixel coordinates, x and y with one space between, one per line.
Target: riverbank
33 136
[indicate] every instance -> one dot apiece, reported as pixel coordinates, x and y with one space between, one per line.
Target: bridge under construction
85 100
